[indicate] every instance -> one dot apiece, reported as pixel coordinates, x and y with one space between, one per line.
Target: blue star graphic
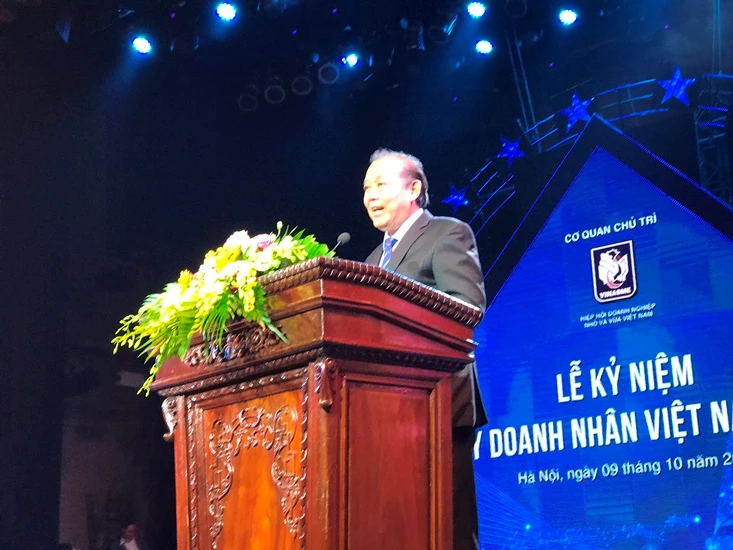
457 198
676 87
577 111
510 150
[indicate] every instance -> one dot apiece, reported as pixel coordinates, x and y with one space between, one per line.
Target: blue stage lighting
568 17
226 11
141 45
476 9
484 47
351 60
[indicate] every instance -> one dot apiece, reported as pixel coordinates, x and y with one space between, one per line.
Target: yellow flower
248 300
227 254
170 301
185 279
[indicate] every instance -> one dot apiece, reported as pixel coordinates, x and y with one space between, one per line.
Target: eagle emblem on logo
614 271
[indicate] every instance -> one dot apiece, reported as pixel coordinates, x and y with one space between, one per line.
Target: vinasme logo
614 271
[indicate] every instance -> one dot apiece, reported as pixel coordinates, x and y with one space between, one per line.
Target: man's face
130 532
388 198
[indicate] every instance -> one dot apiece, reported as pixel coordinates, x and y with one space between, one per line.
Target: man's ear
415 188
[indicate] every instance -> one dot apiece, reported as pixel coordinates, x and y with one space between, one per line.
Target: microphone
342 239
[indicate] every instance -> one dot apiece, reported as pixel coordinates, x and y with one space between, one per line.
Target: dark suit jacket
441 252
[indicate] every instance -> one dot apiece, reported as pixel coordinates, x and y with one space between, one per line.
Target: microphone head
343 238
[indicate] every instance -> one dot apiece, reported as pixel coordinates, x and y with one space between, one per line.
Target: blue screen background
533 331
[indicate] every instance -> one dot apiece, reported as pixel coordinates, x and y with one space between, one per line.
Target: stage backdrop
606 362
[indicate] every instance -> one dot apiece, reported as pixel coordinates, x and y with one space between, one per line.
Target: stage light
248 101
301 85
484 47
142 45
476 9
329 73
274 92
226 11
568 17
350 60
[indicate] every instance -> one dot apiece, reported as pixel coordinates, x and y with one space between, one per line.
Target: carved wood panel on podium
339 439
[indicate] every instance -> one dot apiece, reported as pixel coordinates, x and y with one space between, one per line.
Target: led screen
606 367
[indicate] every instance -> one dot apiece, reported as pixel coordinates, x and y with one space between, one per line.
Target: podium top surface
360 273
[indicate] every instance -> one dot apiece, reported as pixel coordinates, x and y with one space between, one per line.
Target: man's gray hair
413 171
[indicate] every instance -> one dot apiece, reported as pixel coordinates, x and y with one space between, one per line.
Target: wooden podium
339 439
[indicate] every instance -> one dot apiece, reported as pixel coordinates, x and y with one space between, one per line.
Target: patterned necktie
387 247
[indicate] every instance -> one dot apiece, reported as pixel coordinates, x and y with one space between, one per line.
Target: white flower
240 239
208 265
232 269
264 260
209 275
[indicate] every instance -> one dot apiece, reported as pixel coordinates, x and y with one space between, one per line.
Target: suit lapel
374 257
408 240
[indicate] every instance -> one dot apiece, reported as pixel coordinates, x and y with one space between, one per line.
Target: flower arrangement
225 287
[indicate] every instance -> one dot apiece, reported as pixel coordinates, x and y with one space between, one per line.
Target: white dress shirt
404 228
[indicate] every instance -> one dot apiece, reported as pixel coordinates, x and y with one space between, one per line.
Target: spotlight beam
484 47
476 9
142 45
226 11
567 17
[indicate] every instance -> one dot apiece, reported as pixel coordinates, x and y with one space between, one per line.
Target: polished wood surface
339 439
383 422
262 436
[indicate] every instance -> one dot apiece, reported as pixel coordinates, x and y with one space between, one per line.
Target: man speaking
439 252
